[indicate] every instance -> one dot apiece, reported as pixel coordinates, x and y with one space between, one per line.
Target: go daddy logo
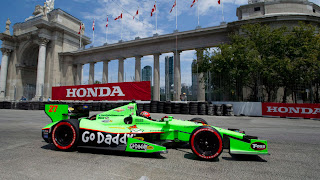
107 139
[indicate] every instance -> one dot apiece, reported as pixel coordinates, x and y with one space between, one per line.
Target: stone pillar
120 70
105 72
79 74
201 92
91 73
156 78
41 68
138 69
4 72
177 76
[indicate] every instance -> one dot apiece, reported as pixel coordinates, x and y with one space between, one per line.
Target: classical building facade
44 50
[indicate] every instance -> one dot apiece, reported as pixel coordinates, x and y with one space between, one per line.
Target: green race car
124 129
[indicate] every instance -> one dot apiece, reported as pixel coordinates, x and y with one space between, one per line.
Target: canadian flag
119 17
194 1
174 5
107 22
93 25
218 1
137 13
154 9
80 29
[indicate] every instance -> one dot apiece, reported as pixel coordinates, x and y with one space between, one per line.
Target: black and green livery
123 129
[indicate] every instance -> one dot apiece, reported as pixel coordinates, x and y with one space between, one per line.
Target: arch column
105 71
91 73
177 76
201 92
41 68
79 74
156 78
4 72
120 69
138 69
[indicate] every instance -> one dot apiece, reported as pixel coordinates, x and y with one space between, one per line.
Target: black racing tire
206 142
65 134
198 120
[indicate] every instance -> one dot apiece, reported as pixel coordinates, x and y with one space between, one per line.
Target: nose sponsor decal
141 146
258 146
105 139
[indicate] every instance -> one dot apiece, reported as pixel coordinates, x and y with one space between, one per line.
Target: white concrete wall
244 108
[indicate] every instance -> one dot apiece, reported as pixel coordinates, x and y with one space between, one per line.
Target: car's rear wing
58 112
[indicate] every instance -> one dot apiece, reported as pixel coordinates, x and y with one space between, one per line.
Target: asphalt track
293 144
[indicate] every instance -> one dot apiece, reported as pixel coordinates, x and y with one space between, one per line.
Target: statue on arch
50 5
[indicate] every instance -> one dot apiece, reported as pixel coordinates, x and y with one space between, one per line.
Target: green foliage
264 59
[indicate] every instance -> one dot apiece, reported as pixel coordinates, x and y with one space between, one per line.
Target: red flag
194 1
174 5
153 9
136 14
119 17
218 1
80 29
93 25
107 22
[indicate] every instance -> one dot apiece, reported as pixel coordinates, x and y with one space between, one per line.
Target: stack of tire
202 108
107 106
218 110
140 107
95 107
167 107
193 106
210 109
227 110
154 106
146 107
160 107
175 107
184 108
1 105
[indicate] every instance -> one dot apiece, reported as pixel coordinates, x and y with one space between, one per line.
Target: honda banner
103 92
291 110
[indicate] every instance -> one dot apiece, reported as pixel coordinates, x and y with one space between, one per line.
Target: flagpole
176 14
222 11
93 33
107 29
80 35
198 12
121 24
156 18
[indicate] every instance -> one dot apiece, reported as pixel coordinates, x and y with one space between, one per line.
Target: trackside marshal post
100 92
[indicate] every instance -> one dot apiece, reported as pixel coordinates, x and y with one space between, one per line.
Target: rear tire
65 134
206 142
198 120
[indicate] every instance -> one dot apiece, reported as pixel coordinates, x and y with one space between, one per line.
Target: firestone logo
298 110
95 92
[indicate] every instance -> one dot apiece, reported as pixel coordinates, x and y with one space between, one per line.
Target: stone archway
28 65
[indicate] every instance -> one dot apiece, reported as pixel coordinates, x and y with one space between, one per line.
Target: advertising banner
291 110
104 92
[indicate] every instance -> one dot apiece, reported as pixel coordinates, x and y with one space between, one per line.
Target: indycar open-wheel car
124 129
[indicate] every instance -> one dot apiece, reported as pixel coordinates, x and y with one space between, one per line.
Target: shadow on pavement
235 157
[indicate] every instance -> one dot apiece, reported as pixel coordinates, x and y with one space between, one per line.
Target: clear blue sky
85 10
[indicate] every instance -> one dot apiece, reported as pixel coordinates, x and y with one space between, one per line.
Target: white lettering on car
108 139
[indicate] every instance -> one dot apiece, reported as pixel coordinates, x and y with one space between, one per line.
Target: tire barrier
193 108
146 107
175 107
184 108
160 107
202 108
218 110
210 109
167 107
154 106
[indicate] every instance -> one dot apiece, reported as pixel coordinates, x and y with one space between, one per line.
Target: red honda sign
291 110
102 92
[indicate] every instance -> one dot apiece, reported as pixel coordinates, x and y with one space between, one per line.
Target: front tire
206 142
198 120
65 134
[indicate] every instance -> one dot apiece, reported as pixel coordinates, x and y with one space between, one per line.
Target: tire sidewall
198 120
74 125
210 129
